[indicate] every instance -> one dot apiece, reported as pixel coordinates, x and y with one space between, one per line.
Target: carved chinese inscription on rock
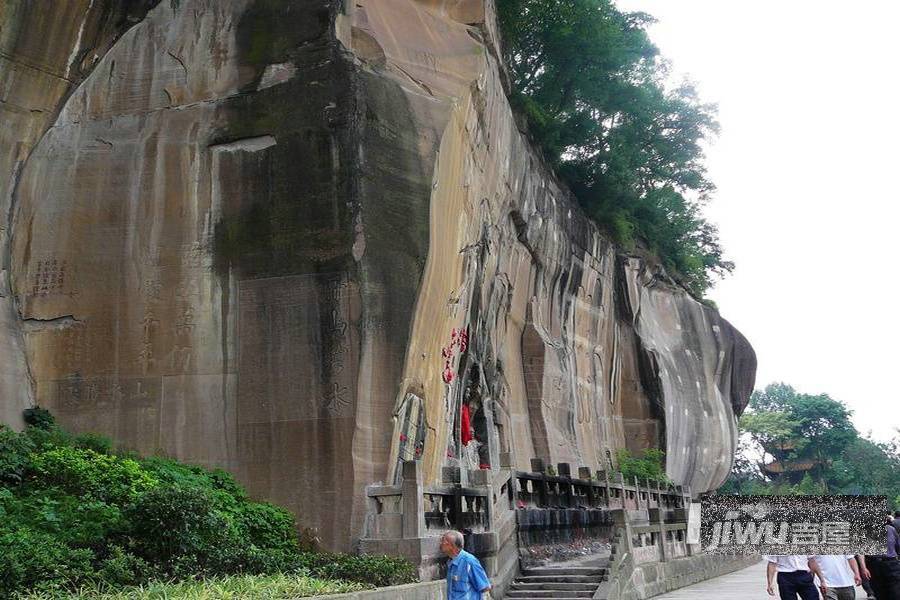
78 393
296 357
183 332
146 357
49 277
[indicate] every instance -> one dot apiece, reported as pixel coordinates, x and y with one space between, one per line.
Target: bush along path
75 514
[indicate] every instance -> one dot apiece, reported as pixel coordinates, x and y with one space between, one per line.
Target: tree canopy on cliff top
593 88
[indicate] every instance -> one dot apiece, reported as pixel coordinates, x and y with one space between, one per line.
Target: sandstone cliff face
292 238
46 49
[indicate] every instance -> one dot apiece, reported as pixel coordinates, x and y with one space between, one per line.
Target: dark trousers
867 586
797 583
865 582
885 577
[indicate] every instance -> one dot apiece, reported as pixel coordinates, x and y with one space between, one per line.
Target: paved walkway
746 584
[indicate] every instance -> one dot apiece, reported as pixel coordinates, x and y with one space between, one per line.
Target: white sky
808 94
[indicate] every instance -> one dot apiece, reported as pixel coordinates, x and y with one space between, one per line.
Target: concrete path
746 584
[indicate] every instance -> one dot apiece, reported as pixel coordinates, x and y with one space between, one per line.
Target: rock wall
293 238
46 49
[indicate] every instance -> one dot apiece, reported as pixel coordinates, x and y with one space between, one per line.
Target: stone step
564 571
553 585
523 594
561 578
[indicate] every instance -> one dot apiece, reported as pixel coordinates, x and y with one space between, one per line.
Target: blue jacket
466 579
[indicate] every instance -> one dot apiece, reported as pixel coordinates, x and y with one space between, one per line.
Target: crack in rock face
64 322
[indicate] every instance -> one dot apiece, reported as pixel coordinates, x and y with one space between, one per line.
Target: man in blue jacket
466 579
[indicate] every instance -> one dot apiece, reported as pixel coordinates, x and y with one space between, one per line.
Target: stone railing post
413 502
484 478
605 478
564 470
584 473
661 524
623 523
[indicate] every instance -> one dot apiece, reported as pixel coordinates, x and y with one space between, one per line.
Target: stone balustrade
408 519
511 516
598 490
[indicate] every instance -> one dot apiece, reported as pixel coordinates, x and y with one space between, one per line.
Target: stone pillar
413 501
483 478
660 522
623 523
564 470
604 476
584 473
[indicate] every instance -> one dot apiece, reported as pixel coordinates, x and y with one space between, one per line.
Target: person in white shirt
840 574
795 576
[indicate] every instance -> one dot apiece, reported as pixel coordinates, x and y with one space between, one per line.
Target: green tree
745 477
815 428
808 487
771 430
820 426
592 86
867 467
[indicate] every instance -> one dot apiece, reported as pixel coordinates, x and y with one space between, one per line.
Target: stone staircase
557 582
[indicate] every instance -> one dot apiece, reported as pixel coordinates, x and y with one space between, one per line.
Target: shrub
377 570
84 472
92 441
229 494
39 418
267 525
123 568
73 513
37 560
45 439
180 531
15 449
650 466
68 518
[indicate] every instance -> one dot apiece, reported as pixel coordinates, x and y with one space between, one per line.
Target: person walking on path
466 579
883 570
840 575
795 576
866 584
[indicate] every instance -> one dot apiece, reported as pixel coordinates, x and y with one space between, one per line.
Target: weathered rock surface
265 235
46 49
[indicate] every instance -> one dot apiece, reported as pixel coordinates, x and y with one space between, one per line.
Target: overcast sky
807 205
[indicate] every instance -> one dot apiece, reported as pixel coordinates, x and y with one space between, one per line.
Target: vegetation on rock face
811 435
74 513
592 87
651 465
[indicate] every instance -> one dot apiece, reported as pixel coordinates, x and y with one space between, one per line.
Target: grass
261 587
